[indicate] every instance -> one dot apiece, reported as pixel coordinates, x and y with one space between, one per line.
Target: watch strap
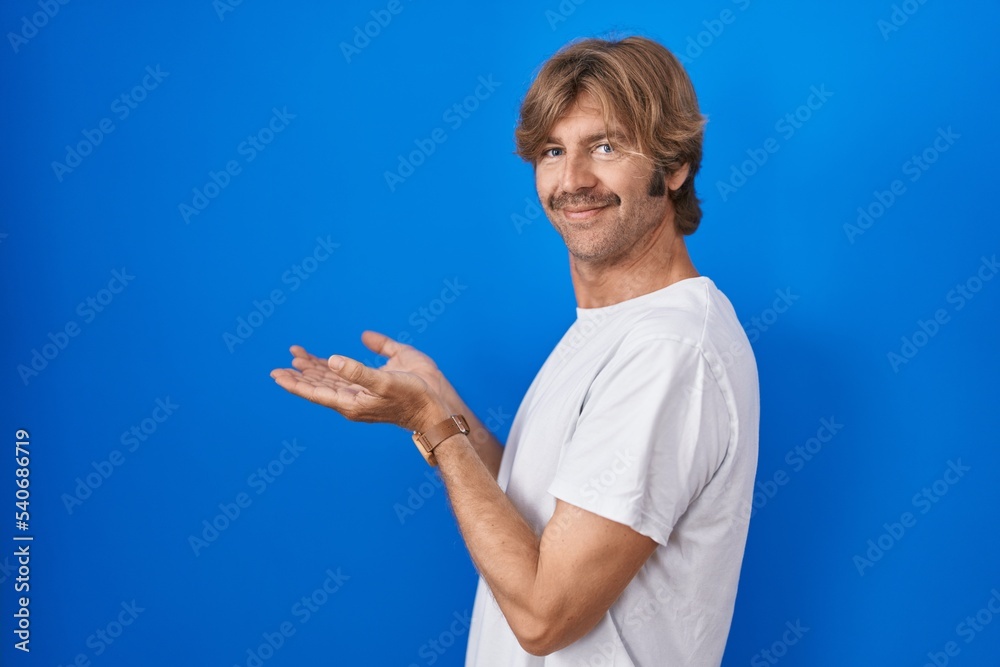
435 435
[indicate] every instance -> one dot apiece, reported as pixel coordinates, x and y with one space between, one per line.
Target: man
610 530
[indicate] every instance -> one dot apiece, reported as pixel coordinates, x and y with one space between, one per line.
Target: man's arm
552 589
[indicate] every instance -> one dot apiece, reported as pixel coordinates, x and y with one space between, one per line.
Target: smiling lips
582 213
580 209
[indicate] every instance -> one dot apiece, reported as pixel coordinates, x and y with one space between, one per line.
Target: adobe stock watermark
531 212
761 322
577 336
258 481
435 647
223 7
647 609
562 12
31 24
417 496
958 297
898 17
104 637
796 459
596 486
424 316
967 629
757 326
87 310
560 523
913 169
455 116
924 501
778 649
364 33
247 151
302 611
122 107
641 613
697 44
131 440
293 277
786 127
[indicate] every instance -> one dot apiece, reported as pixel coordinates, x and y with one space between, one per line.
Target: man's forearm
502 545
553 588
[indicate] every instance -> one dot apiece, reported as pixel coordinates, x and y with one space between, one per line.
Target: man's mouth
581 213
584 208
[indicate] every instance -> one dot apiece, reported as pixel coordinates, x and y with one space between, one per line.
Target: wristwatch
435 435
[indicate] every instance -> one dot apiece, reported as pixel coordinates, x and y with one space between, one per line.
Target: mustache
580 200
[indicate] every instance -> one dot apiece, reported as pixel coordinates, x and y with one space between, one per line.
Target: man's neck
662 262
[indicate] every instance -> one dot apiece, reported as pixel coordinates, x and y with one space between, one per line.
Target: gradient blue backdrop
463 226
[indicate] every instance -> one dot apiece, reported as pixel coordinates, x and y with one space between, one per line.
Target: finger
303 359
329 378
380 343
320 374
339 399
300 352
353 371
282 373
303 363
317 368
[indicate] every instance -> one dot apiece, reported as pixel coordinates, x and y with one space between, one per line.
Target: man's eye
551 152
602 148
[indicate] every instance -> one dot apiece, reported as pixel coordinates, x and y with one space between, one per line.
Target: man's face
596 195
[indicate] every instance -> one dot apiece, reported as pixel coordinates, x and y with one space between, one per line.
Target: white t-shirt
645 413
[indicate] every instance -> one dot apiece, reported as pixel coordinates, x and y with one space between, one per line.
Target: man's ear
677 178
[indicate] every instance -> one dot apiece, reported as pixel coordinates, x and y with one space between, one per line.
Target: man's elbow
539 641
543 634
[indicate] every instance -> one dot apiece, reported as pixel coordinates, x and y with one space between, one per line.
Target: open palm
360 393
406 359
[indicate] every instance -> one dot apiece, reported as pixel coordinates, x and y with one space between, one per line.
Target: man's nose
577 174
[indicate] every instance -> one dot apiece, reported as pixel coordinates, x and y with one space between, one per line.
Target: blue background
464 215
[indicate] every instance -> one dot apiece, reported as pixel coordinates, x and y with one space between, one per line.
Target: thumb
381 344
357 373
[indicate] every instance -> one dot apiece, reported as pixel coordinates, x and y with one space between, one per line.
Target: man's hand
408 390
406 358
366 394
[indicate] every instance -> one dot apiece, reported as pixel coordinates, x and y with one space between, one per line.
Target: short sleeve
652 432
